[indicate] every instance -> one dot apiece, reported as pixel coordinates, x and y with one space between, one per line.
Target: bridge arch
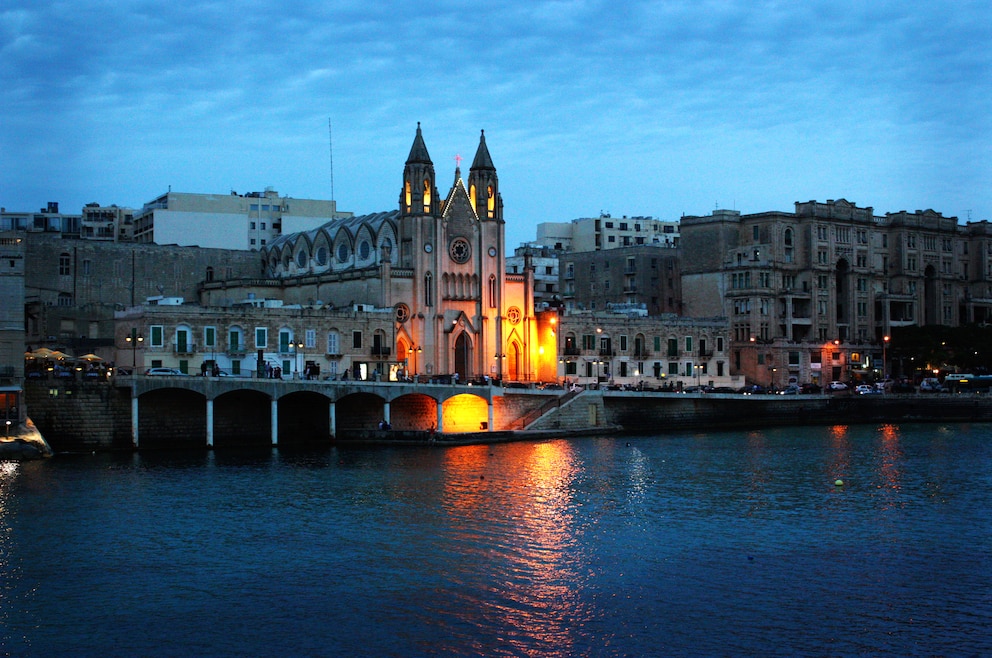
304 417
172 418
242 417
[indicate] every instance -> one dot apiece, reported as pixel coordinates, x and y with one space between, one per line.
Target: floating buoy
838 483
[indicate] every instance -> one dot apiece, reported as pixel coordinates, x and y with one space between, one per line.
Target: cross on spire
458 161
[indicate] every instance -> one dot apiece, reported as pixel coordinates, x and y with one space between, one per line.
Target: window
588 342
261 337
492 291
157 335
64 264
428 289
719 343
234 341
310 338
623 343
673 347
285 340
356 340
65 299
333 343
210 337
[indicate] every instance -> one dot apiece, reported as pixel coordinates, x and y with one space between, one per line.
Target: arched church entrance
463 357
513 365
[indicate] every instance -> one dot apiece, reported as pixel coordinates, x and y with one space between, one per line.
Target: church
437 262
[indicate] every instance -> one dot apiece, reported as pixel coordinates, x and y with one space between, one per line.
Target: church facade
438 262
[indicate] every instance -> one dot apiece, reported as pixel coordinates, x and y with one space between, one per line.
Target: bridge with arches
168 411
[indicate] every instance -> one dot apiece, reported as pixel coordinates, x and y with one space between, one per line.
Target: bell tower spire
419 193
483 184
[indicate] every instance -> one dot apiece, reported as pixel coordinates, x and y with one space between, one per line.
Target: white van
931 385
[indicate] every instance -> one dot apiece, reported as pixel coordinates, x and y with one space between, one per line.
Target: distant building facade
648 277
12 263
811 294
543 261
229 221
72 287
634 351
606 232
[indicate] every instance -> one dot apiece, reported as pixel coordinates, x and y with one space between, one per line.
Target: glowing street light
134 338
885 350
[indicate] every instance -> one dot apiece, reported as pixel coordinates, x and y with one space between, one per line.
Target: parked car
932 385
837 386
172 372
866 389
791 389
811 388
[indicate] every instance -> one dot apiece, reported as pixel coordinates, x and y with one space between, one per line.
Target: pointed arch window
428 289
408 195
490 201
492 291
471 196
427 195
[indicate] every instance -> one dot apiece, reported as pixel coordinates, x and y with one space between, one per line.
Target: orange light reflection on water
532 598
889 469
840 464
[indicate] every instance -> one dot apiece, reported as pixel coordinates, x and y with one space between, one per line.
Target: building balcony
571 351
184 348
380 350
234 350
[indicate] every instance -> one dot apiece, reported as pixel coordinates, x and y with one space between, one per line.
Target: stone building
637 351
644 277
256 337
73 287
812 294
438 262
229 221
11 327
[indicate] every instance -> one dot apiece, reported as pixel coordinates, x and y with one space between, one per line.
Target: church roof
482 159
418 152
373 221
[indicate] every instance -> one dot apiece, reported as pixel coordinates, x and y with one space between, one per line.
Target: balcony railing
571 351
233 349
184 348
380 350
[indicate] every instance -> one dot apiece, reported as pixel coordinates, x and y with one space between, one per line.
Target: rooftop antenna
330 143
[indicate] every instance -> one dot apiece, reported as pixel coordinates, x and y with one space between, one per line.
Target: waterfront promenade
177 412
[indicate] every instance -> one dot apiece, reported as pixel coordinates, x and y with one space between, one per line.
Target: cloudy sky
633 108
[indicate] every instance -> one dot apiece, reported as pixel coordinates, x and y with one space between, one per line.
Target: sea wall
89 416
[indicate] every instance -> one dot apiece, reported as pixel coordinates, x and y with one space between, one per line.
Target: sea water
833 541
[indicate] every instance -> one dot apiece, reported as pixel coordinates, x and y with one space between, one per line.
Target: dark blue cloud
638 108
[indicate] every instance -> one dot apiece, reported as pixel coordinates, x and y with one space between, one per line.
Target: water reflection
513 511
890 467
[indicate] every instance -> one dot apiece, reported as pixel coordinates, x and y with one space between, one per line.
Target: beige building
229 221
812 294
631 350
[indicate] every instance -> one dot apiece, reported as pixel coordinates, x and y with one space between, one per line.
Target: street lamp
885 350
303 365
412 353
8 429
698 369
134 338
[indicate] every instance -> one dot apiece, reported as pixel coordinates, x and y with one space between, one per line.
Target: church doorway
513 365
463 357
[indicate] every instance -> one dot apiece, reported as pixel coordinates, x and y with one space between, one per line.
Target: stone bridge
170 410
